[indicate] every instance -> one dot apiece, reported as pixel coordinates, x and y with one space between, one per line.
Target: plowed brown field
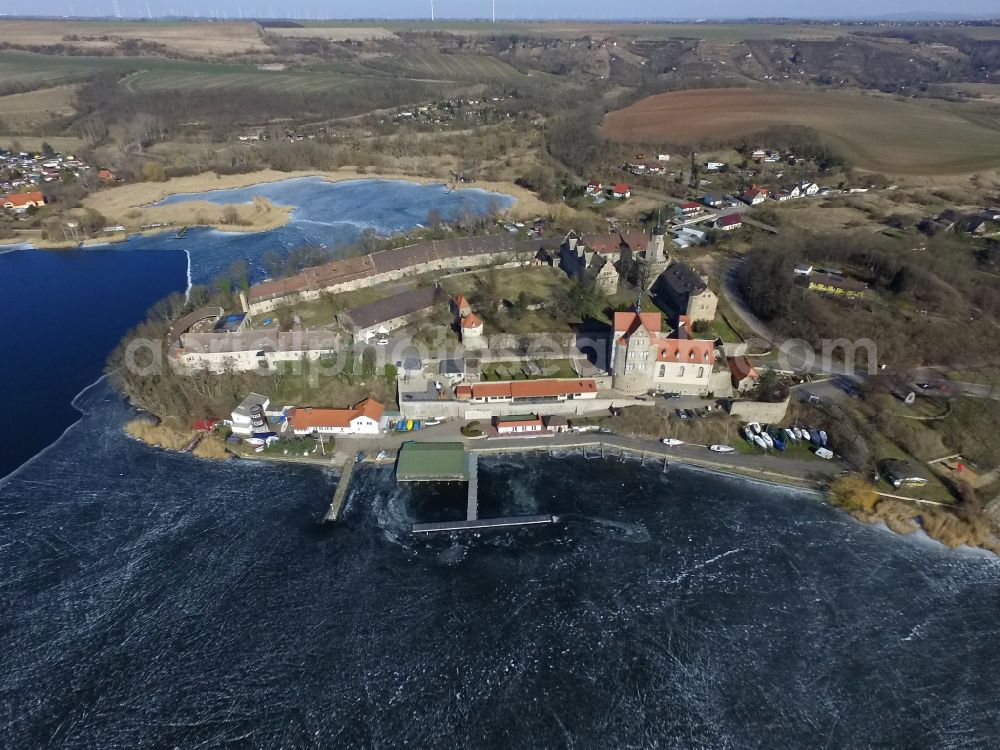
873 132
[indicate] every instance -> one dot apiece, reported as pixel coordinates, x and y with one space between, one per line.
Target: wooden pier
483 524
472 510
333 514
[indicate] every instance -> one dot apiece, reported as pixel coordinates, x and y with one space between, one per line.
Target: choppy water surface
153 600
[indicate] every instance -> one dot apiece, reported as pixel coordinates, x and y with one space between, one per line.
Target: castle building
686 293
643 359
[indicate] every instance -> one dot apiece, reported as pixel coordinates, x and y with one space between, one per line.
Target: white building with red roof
472 329
621 190
755 196
21 202
364 418
643 359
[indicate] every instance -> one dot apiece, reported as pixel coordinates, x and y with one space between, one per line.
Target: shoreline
116 202
902 523
126 204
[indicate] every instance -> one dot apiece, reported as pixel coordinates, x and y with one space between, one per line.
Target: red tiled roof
693 351
23 199
729 220
519 422
309 418
691 205
602 243
637 241
461 301
741 369
471 321
528 389
628 322
621 187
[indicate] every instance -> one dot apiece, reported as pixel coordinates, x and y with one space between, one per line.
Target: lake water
151 599
64 311
156 600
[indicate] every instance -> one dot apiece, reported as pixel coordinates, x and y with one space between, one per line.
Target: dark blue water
155 600
63 312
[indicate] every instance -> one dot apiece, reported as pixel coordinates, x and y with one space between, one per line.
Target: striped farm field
448 67
147 81
882 133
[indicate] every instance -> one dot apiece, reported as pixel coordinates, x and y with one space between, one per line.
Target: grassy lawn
551 368
983 376
539 282
735 323
721 329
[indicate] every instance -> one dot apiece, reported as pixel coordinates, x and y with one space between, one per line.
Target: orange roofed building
643 359
363 418
21 202
514 391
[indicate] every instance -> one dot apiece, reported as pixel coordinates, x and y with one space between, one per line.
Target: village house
621 191
808 188
714 166
754 196
364 418
836 284
595 187
714 200
729 222
21 202
250 415
686 293
556 423
643 360
691 208
518 424
744 375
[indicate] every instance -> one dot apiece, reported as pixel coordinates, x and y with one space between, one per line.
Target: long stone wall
485 412
758 411
390 265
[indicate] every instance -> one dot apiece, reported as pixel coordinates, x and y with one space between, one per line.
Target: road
772 467
712 213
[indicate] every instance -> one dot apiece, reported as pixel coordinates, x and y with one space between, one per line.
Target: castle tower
656 259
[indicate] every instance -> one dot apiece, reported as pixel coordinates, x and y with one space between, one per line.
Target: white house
363 418
663 157
519 424
621 190
808 188
249 417
714 166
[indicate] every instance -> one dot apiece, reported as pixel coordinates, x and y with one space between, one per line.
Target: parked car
682 413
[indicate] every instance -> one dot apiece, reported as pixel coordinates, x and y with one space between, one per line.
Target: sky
520 9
